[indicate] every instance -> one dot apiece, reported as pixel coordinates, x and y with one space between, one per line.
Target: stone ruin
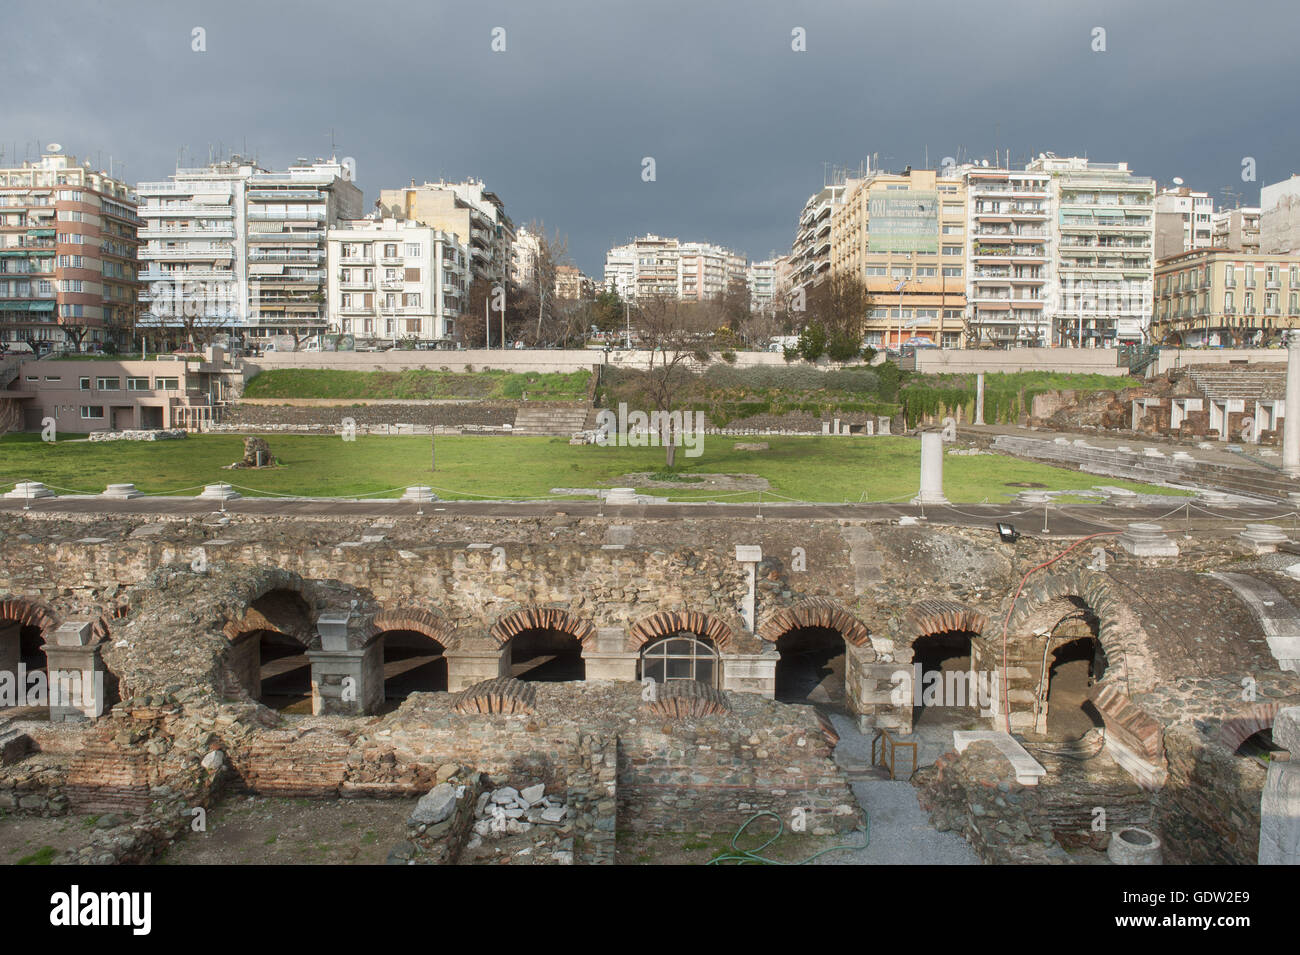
333 657
257 454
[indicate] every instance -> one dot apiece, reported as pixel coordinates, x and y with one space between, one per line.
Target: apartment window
1294 280
952 313
900 313
880 313
92 411
927 314
1227 301
49 378
412 326
1250 276
167 384
345 300
1229 276
871 270
412 275
1250 302
952 250
390 251
84 384
412 249
953 229
952 271
45 287
70 285
390 275
450 328
137 384
900 272
926 271
70 261
411 300
1294 305
108 384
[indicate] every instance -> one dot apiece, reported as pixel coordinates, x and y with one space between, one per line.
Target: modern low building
82 396
395 280
1220 297
68 238
905 235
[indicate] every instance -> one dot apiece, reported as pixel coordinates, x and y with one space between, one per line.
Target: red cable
1006 623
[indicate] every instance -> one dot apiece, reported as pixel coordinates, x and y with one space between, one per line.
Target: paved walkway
901 833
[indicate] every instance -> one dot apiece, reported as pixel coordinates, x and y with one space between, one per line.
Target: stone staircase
1253 382
561 421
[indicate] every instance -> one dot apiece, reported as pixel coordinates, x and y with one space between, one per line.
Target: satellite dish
54 148
1178 181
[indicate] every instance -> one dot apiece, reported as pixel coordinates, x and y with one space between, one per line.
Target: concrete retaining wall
1084 361
1182 357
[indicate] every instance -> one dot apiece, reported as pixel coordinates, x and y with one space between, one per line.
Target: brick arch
541 618
253 619
1237 729
815 612
1090 589
29 613
665 623
941 616
432 625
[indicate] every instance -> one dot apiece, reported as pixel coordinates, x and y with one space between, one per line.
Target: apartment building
396 280
524 253
236 248
1184 221
467 210
68 238
571 284
905 235
1221 297
810 253
1103 234
1236 229
1279 219
1009 263
646 267
761 279
706 271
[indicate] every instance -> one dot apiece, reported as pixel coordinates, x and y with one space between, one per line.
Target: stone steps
558 422
1252 384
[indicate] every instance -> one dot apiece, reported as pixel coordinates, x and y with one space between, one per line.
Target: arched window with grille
682 656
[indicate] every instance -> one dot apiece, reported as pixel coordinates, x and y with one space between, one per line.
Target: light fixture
1008 533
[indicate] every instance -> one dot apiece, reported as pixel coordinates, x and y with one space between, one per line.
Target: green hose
752 857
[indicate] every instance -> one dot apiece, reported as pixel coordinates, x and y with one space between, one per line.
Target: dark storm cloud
739 124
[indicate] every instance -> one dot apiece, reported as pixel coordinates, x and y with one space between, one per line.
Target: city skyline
559 123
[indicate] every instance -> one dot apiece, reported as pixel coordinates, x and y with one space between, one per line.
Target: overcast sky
741 127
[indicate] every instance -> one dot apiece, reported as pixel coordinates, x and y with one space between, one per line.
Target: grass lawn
418 384
822 469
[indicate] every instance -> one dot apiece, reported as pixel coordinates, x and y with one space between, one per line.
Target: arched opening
943 694
1260 746
545 655
22 655
1075 661
681 656
811 667
268 652
413 663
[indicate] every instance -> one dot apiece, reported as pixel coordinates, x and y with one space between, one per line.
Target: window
84 384
927 271
345 300
1229 276
900 272
952 271
412 275
411 300
680 657
137 384
92 411
952 250
412 249
167 384
875 270
953 229
108 384
390 250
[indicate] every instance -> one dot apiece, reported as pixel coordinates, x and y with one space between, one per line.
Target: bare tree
676 333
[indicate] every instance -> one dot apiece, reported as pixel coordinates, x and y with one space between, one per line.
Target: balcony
201 254
223 232
345 260
187 209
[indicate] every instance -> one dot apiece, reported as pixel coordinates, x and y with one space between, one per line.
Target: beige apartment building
68 239
467 210
1221 297
905 235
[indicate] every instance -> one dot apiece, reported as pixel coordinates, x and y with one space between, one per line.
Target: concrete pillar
476 660
1279 807
931 470
1291 432
979 398
347 682
74 673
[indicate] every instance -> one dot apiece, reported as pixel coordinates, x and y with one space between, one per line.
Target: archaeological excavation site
443 687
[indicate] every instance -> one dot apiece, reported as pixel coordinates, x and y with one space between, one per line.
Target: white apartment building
653 265
523 258
1009 257
1236 229
395 280
810 254
1103 236
468 210
761 278
1184 221
236 248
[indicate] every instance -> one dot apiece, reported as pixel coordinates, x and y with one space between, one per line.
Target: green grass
822 469
42 856
418 384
